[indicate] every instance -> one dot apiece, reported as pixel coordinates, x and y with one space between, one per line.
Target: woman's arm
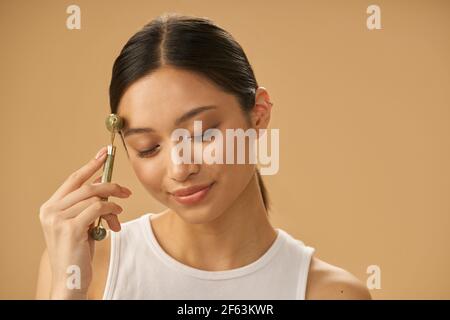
44 281
100 267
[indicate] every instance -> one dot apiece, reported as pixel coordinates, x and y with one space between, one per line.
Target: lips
190 190
193 194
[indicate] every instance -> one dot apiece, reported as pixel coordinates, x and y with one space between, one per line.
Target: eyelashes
149 152
199 138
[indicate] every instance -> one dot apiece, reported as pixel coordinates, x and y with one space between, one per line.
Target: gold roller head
114 124
98 232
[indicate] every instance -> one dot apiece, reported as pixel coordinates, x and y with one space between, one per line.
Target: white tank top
139 268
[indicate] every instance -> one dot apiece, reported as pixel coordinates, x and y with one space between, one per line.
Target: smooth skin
228 230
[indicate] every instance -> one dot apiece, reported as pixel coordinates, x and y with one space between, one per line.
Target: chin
197 215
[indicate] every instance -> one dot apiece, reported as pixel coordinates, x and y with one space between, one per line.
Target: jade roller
114 124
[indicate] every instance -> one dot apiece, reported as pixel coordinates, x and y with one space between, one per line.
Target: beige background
363 118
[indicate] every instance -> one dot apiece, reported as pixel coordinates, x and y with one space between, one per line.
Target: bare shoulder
326 282
100 267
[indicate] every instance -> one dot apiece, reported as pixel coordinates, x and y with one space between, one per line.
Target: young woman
214 240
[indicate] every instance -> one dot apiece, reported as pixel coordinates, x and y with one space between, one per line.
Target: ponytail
264 192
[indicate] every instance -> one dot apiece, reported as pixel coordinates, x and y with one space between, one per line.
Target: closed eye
199 138
149 152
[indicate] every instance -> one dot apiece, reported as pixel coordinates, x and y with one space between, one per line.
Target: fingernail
126 190
100 153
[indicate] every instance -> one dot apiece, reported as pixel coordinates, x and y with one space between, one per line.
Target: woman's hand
66 218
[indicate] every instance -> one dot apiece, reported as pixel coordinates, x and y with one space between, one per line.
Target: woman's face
156 102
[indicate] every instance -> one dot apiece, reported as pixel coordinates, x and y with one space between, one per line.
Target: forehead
167 93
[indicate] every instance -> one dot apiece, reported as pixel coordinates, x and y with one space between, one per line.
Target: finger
102 190
113 222
95 210
78 207
77 178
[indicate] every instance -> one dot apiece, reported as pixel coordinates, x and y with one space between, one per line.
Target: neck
238 237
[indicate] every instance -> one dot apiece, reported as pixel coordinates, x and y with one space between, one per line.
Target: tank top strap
306 254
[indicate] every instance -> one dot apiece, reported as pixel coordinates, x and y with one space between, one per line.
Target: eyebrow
188 115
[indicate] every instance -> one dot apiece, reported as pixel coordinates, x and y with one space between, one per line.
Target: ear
260 114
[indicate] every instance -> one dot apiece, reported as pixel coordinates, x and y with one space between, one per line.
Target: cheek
150 174
233 179
242 174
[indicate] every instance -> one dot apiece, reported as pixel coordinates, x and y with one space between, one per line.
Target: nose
182 171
